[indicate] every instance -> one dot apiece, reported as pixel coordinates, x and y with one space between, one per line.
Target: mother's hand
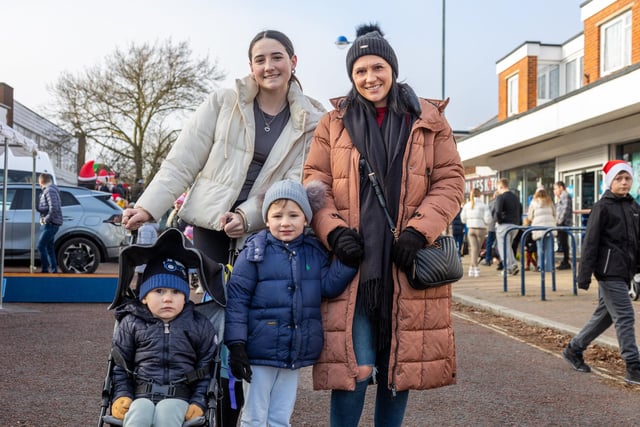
133 218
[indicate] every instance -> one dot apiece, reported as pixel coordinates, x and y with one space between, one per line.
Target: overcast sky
41 38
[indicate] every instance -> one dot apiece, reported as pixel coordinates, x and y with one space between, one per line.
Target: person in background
162 339
610 253
50 209
476 215
174 219
409 145
541 213
237 144
564 217
507 213
491 233
273 324
458 232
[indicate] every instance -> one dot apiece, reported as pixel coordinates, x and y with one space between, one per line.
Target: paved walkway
561 309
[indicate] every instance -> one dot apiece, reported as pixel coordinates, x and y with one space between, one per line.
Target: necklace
267 123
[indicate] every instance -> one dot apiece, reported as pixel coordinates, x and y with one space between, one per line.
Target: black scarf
383 147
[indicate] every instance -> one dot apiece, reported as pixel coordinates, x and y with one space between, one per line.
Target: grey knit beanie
370 41
290 190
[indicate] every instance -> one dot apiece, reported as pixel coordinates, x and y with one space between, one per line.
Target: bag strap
379 195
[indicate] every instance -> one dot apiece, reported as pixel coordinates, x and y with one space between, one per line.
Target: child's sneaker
576 360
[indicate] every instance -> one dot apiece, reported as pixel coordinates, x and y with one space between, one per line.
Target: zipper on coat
606 264
165 353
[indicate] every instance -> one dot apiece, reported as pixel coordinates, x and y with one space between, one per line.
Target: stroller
211 276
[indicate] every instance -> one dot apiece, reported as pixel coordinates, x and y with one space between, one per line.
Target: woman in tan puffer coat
379 323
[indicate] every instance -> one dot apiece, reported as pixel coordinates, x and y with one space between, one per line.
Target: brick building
565 109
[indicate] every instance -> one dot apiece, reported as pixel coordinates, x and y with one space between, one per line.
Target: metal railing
548 234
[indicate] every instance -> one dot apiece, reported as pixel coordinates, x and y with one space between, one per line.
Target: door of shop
584 186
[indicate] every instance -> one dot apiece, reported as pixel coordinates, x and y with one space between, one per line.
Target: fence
548 234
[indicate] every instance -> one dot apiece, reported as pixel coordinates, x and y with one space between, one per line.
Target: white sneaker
476 272
472 272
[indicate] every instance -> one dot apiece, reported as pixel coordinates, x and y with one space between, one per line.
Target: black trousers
216 245
563 242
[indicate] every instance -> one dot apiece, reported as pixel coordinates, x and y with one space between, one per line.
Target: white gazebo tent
19 145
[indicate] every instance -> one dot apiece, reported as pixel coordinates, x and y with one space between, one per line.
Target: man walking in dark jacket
564 215
50 209
507 212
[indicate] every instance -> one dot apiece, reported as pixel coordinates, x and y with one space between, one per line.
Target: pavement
561 309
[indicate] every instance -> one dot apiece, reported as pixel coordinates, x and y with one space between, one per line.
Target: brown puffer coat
422 346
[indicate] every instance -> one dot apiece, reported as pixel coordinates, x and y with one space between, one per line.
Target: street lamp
342 42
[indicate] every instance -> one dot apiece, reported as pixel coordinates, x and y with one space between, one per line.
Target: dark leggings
216 245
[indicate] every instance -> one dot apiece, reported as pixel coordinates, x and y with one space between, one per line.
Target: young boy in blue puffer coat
273 325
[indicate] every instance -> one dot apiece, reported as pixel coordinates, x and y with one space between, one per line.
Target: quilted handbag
436 265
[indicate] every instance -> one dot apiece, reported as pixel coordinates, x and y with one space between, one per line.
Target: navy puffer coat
162 353
274 295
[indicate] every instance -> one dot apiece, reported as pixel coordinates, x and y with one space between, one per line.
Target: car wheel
78 255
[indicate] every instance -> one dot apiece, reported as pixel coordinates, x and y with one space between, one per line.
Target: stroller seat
211 275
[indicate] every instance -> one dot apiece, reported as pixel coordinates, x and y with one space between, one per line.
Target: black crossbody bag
434 265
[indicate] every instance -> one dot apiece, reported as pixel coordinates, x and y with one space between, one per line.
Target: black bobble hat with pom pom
370 41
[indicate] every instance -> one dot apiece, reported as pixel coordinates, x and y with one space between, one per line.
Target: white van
21 168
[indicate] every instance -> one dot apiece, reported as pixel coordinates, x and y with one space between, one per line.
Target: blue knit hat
164 273
289 190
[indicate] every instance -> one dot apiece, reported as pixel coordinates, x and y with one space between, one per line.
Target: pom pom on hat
164 273
370 41
613 168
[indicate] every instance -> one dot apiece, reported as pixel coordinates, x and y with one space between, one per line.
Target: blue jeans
46 248
546 255
614 307
346 406
166 413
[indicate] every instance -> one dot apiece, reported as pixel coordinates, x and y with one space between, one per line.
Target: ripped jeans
346 406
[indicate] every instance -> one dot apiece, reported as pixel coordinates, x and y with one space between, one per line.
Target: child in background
610 252
162 340
273 325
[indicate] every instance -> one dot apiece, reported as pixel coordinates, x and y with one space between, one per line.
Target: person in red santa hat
610 253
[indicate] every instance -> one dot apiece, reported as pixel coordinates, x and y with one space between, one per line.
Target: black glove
348 245
239 362
409 243
584 285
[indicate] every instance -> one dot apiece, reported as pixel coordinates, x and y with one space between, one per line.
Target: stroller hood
170 244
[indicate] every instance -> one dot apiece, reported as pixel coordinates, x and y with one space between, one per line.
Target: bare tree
132 104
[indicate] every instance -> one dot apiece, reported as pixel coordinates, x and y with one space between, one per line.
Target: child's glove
120 407
239 362
194 411
347 244
409 243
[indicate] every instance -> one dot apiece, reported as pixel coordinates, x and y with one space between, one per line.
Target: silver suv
91 232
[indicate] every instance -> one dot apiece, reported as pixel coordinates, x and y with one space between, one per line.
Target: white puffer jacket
212 154
477 217
542 216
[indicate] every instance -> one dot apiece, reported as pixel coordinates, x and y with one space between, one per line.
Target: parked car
92 231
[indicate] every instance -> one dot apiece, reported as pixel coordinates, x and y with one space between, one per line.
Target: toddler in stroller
164 353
